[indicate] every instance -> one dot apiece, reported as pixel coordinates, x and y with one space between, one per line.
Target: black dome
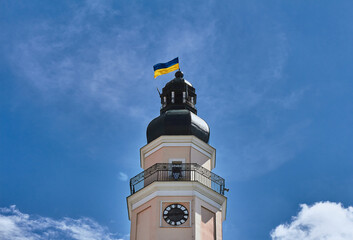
178 122
178 112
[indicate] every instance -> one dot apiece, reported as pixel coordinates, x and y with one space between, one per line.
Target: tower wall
205 222
175 154
187 148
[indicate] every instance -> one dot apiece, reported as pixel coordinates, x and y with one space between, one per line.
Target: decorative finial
179 74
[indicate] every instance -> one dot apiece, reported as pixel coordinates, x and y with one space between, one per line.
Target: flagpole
179 64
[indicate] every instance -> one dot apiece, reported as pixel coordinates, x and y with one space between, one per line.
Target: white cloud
122 176
15 225
321 221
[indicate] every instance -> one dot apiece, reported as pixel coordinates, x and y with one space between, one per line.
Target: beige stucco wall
190 154
147 222
163 155
200 158
157 230
208 224
143 225
200 227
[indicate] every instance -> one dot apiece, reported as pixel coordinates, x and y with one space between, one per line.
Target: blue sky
274 83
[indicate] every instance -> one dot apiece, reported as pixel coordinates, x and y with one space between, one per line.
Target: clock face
175 214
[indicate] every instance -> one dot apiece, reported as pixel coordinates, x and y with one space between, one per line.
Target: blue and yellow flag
164 68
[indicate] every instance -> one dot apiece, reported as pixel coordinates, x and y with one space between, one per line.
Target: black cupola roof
178 115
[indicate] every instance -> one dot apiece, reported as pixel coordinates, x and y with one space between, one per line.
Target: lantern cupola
178 114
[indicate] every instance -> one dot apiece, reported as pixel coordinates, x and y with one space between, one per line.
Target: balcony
190 172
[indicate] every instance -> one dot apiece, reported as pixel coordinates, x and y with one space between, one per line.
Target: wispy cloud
256 102
78 60
85 60
15 225
122 176
323 220
102 58
259 154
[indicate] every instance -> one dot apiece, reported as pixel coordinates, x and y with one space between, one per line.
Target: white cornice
177 189
178 141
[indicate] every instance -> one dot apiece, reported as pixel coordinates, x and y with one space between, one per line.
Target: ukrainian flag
164 68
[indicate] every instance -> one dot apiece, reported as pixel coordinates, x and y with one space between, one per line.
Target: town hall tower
177 196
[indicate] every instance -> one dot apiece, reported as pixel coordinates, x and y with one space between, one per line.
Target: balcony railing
177 172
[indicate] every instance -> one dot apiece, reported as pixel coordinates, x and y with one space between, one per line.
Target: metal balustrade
163 172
